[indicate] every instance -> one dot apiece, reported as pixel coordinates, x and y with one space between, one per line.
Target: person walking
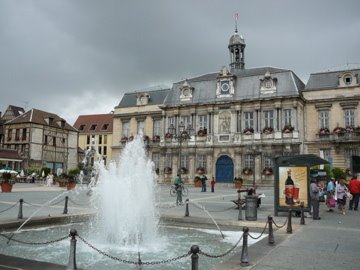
178 186
212 184
203 179
330 200
354 188
341 190
314 196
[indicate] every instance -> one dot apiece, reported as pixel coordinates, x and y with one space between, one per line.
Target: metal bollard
302 219
289 226
271 231
194 257
240 216
20 214
66 205
186 207
72 258
244 261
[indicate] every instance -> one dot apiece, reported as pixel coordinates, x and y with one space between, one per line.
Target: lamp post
181 136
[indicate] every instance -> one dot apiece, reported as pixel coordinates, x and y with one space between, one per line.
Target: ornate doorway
224 169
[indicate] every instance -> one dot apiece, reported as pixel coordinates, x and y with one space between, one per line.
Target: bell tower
236 49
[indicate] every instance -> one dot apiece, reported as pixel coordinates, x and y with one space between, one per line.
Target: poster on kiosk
292 188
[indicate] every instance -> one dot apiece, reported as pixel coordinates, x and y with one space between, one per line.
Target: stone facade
332 116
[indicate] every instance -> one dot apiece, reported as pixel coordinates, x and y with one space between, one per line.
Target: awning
10 155
308 160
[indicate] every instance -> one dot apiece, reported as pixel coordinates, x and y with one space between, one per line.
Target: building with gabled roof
10 113
95 130
43 139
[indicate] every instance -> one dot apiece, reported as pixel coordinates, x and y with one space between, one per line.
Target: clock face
225 87
143 100
186 92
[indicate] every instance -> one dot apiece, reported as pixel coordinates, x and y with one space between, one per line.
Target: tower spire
236 21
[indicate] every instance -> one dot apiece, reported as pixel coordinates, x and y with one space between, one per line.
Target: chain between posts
79 204
224 254
255 238
2 211
134 262
10 238
279 227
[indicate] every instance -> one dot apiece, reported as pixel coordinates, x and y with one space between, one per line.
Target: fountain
125 196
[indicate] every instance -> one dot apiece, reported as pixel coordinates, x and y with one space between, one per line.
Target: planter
62 184
197 184
6 187
71 185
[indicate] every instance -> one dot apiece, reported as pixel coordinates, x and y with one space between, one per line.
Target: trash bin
251 207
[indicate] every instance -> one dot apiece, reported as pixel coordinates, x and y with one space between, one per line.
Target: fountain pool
172 242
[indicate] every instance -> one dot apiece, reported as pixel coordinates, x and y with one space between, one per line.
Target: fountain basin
173 242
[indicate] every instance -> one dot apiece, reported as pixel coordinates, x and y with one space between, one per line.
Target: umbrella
8 171
22 174
43 174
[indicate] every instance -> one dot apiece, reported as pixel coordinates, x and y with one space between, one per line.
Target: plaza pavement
330 243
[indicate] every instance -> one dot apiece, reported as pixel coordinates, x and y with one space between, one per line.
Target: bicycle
185 190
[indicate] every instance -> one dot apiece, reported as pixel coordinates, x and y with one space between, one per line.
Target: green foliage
73 173
338 173
238 180
46 170
197 178
7 178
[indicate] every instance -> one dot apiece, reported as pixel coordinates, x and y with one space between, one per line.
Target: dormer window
268 84
347 79
93 127
142 99
105 127
186 91
82 127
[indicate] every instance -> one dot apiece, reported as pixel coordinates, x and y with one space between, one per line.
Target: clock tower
236 49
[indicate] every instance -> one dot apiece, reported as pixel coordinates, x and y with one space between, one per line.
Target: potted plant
168 135
156 138
197 181
248 131
202 132
287 129
6 182
247 171
238 181
73 173
268 171
339 130
268 130
167 170
324 131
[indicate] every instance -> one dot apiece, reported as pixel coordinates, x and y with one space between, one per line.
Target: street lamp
182 135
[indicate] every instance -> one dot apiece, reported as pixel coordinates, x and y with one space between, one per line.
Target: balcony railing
346 136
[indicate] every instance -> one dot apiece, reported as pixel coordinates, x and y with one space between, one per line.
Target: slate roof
247 86
38 117
101 123
327 80
157 97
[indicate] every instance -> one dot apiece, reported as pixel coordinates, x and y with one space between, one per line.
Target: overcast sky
74 57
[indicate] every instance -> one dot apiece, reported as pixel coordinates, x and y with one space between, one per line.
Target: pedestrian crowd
336 194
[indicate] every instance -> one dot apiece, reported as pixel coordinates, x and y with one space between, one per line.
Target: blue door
224 170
